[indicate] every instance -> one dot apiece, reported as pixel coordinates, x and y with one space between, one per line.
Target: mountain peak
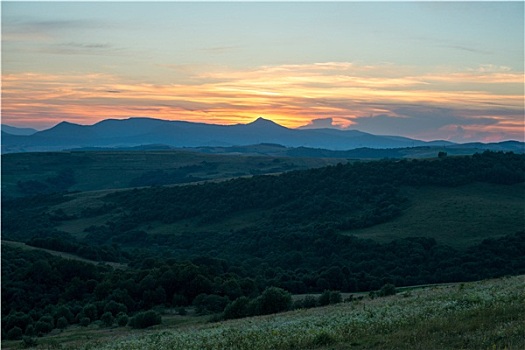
262 120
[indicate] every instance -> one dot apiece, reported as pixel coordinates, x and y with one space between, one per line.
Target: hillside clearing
457 216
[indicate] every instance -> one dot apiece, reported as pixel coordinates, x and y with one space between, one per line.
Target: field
478 315
457 216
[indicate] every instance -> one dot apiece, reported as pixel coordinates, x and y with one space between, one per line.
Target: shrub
14 333
324 299
85 321
43 327
115 308
30 331
205 304
335 297
107 319
62 322
305 303
237 309
122 319
28 342
273 300
145 319
387 289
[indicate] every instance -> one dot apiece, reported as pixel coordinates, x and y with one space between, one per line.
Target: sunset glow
478 97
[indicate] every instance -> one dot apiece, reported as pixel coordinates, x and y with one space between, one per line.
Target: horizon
428 71
306 127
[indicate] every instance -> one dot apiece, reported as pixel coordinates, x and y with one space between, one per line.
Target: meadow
487 314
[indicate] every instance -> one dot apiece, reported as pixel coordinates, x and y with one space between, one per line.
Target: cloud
16 29
320 123
458 125
383 99
79 48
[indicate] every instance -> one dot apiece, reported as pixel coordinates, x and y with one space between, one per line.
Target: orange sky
291 95
451 70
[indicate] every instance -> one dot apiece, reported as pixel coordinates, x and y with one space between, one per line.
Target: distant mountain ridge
13 130
134 132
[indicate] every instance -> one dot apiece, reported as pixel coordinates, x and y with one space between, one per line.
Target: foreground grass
478 315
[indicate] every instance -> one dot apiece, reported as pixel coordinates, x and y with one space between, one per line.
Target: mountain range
132 132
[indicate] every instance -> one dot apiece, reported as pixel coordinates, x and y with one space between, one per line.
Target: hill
31 173
477 315
17 131
143 131
226 245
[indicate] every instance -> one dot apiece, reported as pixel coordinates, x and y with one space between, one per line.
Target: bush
14 333
85 321
43 327
115 308
62 322
335 297
145 319
206 304
122 319
30 331
324 299
107 319
387 289
307 302
237 309
273 300
28 342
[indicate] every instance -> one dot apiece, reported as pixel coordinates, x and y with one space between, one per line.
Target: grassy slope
97 170
460 216
478 315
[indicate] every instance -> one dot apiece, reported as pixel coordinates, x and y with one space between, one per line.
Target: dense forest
289 241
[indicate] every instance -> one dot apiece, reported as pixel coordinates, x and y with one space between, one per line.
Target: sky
426 70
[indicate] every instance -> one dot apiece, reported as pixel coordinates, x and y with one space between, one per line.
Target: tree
84 321
62 322
273 300
122 319
145 319
14 333
107 319
387 289
237 309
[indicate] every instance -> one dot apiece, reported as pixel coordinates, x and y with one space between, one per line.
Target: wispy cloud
79 48
20 29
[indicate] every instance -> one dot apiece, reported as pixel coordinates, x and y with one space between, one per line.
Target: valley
83 258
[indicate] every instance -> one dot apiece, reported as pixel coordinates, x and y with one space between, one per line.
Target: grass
459 217
477 315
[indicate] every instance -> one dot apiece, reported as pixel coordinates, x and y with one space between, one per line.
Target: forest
228 247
